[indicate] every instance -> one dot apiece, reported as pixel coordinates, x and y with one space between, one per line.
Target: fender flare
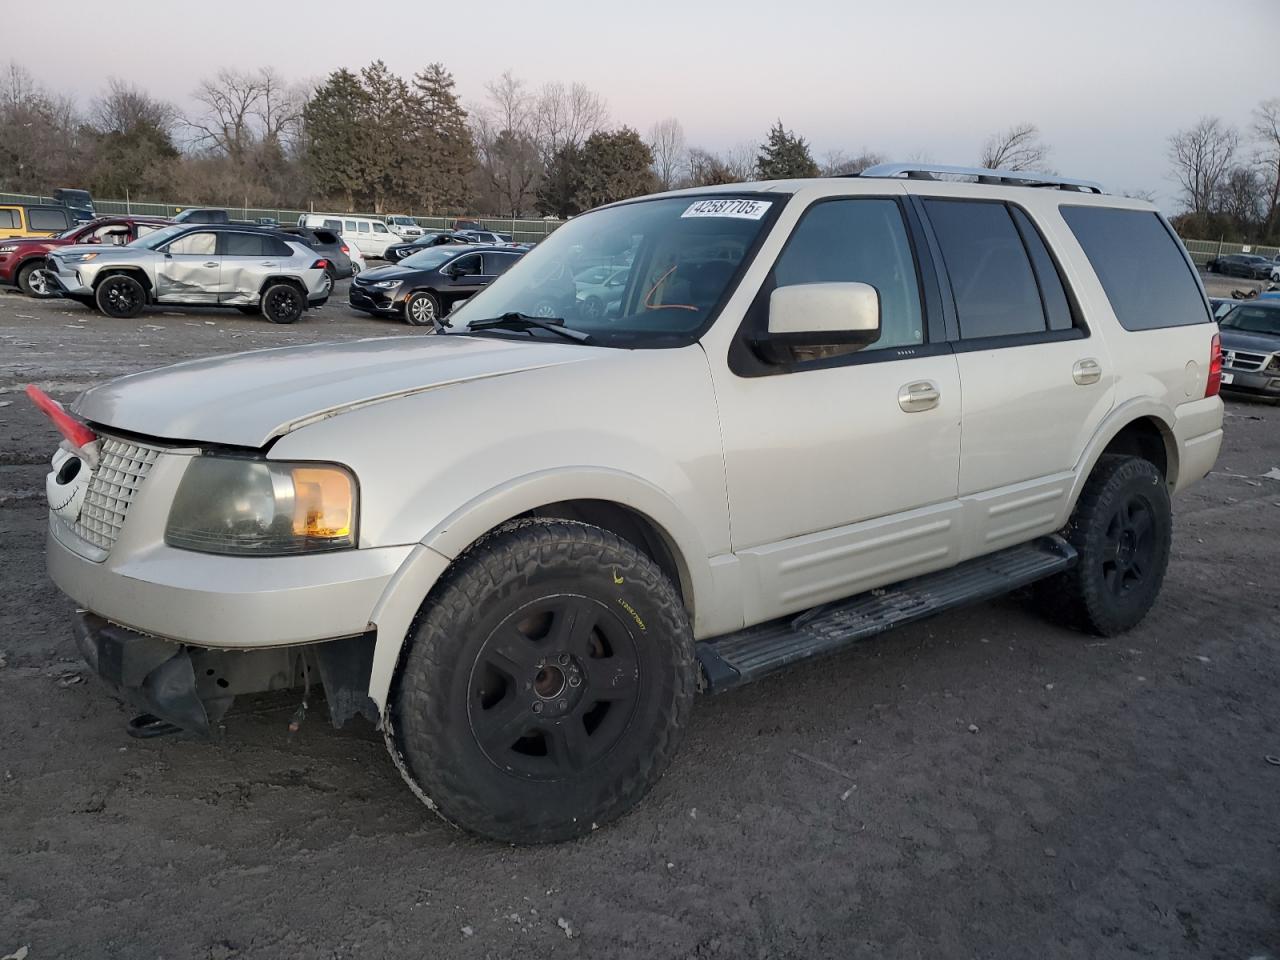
1119 418
438 549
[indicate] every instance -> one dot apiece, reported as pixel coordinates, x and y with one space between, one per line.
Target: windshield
71 232
674 257
1253 319
153 240
428 259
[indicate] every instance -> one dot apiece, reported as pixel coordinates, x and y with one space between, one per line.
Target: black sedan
398 251
422 288
1246 265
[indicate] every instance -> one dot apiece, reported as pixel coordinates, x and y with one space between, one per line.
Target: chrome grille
1239 360
121 469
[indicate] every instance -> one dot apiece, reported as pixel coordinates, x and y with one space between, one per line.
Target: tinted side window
991 279
196 244
466 266
379 228
334 225
275 247
1053 295
497 264
351 226
1140 265
861 241
9 218
47 220
242 245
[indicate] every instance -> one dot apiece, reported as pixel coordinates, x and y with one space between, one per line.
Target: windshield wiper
523 321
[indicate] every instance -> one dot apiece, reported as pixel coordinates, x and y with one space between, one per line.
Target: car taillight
346 249
1214 383
320 265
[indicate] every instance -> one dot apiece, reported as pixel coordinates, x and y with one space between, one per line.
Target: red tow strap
71 428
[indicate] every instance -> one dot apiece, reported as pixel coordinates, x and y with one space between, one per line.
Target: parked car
369 234
1221 306
252 269
331 246
406 228
33 220
1251 347
422 288
22 261
327 221
485 236
78 202
600 289
202 215
1246 265
398 251
524 543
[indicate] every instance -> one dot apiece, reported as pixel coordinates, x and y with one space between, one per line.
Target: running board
738 657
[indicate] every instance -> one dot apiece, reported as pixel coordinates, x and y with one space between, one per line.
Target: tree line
370 139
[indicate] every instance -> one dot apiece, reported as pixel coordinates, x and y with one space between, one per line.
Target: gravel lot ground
982 785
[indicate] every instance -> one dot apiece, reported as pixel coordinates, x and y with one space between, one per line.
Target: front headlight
386 284
263 508
78 257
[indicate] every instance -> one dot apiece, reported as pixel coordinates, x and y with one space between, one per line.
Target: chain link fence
522 231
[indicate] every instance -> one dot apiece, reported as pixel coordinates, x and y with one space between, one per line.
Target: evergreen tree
335 138
389 160
557 193
614 166
445 151
784 155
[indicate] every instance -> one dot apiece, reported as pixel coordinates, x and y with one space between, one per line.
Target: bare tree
242 109
124 108
509 163
509 106
40 141
1201 157
1240 197
1017 148
1266 136
566 116
837 163
1138 193
741 160
666 140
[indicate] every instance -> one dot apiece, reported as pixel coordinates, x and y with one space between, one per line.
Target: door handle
1086 371
211 263
918 396
268 263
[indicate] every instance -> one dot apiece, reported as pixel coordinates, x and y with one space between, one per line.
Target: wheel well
139 275
634 527
1145 438
291 281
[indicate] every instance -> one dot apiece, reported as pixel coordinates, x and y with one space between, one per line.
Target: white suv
818 409
406 228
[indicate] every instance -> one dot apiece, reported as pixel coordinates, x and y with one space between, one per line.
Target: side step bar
738 657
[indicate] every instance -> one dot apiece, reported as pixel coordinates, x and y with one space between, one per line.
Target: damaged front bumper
193 687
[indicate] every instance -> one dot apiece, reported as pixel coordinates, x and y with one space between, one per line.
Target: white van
367 234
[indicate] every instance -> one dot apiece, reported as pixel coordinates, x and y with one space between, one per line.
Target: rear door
190 271
1036 383
247 260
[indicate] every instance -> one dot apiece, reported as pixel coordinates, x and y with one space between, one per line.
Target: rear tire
545 684
1122 528
283 303
120 296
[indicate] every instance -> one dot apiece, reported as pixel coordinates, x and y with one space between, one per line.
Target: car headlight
78 257
263 508
387 284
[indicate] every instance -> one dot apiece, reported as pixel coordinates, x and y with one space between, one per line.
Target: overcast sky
1106 80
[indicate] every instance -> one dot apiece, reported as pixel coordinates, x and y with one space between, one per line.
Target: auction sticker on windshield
739 209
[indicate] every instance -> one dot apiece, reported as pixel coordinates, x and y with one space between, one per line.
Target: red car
21 257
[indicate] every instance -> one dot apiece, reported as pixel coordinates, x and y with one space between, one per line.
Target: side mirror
820 315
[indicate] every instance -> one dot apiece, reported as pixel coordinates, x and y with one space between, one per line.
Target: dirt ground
981 785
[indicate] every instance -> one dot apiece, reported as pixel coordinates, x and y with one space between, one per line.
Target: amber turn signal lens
323 502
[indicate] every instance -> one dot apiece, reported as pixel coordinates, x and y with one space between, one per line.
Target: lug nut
564 704
575 681
537 707
564 659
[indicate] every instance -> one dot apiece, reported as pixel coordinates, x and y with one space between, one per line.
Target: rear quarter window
1141 266
47 220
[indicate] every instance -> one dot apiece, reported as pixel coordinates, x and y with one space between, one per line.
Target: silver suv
197 265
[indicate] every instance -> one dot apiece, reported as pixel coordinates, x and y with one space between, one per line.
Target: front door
190 271
841 465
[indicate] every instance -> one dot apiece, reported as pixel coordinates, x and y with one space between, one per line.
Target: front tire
120 296
546 683
421 309
283 303
1122 528
32 281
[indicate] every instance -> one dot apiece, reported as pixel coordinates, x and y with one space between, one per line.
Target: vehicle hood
1251 342
31 243
247 399
390 272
